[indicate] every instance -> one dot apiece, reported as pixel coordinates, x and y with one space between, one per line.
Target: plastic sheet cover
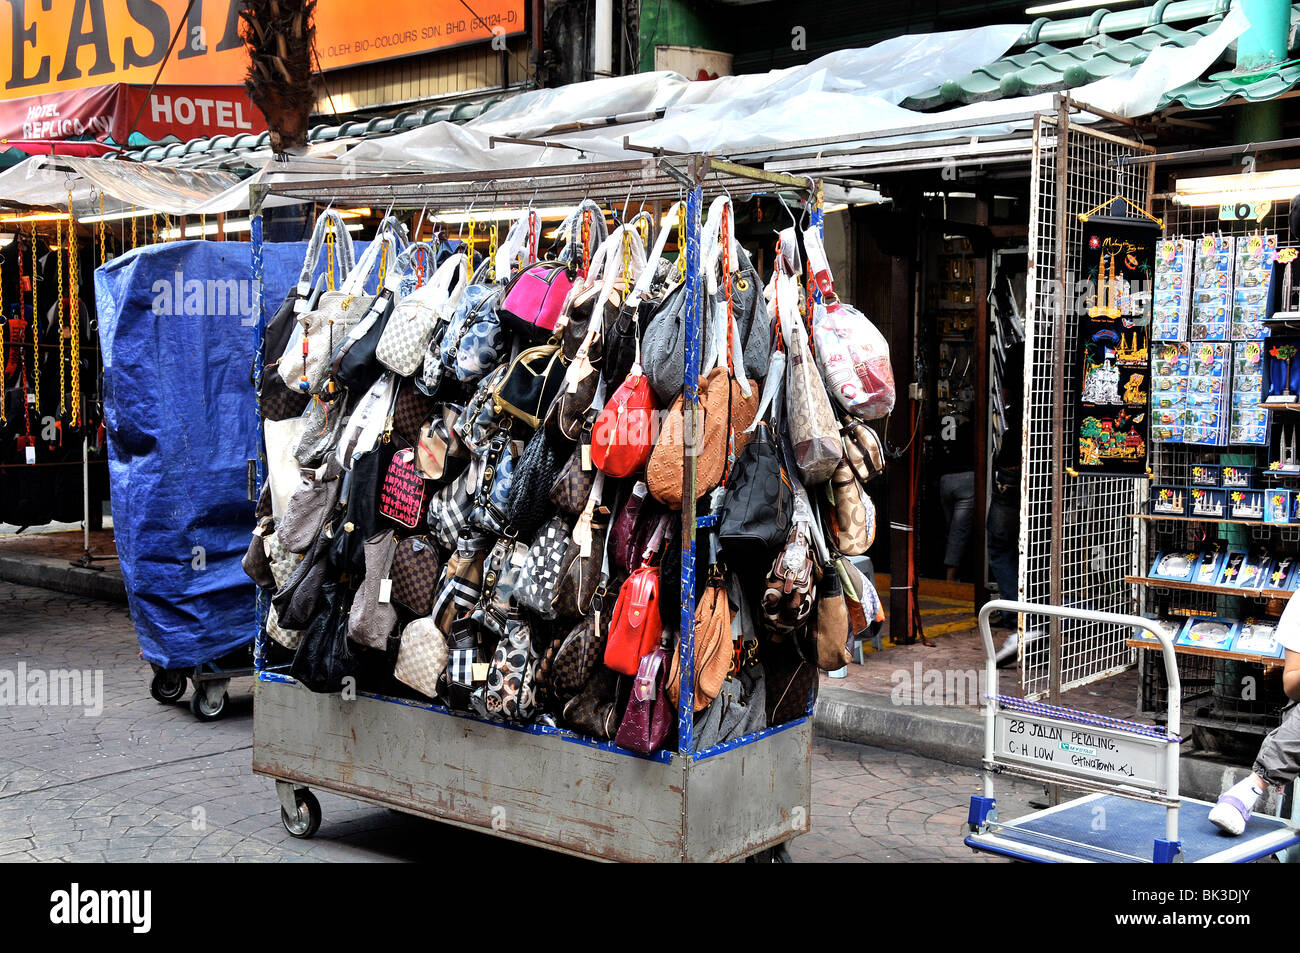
44 181
177 338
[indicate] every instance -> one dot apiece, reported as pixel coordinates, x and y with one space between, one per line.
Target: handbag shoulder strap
357 279
516 238
344 250
570 229
652 259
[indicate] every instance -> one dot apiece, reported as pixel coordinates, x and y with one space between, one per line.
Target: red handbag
624 433
636 627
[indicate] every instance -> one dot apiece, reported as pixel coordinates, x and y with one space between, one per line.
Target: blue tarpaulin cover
177 335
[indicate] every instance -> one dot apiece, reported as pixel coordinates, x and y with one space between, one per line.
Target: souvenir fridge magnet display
1170 365
1246 504
1168 501
1285 286
1253 271
1206 417
1282 574
1235 477
1258 637
1277 506
1232 563
1170 627
1216 634
1174 564
1286 454
1204 474
1173 290
1208 504
1211 318
1254 570
1115 371
1209 564
1249 422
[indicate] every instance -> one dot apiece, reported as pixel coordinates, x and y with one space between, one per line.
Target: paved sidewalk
143 781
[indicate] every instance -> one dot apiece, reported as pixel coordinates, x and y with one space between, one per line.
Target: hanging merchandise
814 432
1120 254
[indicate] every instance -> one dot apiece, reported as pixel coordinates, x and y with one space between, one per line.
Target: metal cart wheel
205 710
780 854
168 686
306 821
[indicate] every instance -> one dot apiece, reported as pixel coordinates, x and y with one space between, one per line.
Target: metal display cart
535 784
1134 812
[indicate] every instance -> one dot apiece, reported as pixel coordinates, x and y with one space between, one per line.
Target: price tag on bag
385 591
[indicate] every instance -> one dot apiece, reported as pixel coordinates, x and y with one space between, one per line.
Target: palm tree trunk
279 34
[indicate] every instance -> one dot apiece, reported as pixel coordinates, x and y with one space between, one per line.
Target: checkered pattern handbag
406 336
422 657
410 411
289 638
540 574
415 573
451 506
460 668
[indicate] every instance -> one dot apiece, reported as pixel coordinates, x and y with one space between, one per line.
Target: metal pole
1056 544
256 195
690 432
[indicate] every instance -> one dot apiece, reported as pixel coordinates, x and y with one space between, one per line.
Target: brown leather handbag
790 588
863 451
712 649
831 632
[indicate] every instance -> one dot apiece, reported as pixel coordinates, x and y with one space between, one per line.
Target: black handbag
297 601
535 474
530 384
353 364
324 658
758 504
360 520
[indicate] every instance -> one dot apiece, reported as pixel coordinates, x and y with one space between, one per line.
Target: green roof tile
1105 45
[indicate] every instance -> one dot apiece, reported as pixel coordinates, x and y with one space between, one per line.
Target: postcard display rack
1222 519
533 783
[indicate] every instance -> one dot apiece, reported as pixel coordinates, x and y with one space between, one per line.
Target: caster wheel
204 710
307 821
167 686
780 854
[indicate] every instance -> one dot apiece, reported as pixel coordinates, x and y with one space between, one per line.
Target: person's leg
961 512
1277 763
1003 531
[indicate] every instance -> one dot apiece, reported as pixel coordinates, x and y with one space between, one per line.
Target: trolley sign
1081 750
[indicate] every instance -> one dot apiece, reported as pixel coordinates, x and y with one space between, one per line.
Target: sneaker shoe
1007 654
1230 815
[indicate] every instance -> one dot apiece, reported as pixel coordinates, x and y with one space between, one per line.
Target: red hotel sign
187 112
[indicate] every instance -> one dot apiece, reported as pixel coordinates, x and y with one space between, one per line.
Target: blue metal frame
256 194
691 404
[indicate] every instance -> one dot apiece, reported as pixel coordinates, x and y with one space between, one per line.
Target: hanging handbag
594 710
281 437
295 602
501 574
712 647
373 618
572 487
792 680
582 649
402 492
636 627
754 517
863 451
814 432
451 507
509 692
493 498
367 422
535 297
831 630
410 328
632 528
535 474
438 443
422 657
414 573
336 313
462 582
620 333
411 410
788 594
540 574
474 341
530 384
353 365
324 659
649 717
623 435
310 507
323 423
855 522
480 422
256 564
580 568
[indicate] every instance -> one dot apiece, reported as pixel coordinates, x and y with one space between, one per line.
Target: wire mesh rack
1076 538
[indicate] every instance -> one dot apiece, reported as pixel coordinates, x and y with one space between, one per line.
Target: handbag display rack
537 783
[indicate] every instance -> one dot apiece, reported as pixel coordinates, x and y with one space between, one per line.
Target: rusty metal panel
541 789
751 797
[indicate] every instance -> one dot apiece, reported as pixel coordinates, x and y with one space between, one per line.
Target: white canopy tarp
43 181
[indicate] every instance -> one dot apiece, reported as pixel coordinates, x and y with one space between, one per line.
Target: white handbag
368 420
282 470
412 324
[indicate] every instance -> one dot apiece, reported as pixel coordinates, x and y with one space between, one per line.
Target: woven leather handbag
540 574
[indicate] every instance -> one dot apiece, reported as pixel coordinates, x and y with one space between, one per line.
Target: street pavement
142 781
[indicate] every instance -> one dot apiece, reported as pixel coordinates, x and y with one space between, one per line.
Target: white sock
1246 792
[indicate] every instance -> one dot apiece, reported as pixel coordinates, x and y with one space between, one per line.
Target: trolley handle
1126 620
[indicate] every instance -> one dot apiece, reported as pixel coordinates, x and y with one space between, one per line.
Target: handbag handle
647 273
359 275
345 251
527 223
569 229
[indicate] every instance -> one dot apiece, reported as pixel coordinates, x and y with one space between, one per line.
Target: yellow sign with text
56 45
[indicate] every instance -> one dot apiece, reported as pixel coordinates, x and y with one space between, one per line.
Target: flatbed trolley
1133 812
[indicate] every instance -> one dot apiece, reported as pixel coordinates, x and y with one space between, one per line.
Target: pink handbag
534 299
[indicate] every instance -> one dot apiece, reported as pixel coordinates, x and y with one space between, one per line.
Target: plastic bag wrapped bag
854 358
